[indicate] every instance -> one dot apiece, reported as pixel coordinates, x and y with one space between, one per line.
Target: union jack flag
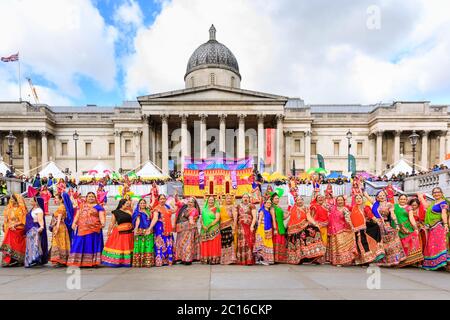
14 57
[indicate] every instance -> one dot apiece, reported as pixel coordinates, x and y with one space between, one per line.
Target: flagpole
20 82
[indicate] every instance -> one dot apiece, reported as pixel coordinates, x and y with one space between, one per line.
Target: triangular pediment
212 93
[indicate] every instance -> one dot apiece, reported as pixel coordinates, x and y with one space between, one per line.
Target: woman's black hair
414 200
121 203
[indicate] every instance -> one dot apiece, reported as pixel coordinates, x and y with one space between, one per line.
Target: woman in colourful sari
320 211
417 209
384 212
61 186
163 232
187 249
210 236
263 248
246 220
46 195
367 232
14 244
36 235
144 250
228 218
60 246
87 244
118 250
102 195
279 231
408 233
436 219
304 239
341 249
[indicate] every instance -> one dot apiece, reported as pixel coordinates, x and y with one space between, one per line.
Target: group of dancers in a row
256 230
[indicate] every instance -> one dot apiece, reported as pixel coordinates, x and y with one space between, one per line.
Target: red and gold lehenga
304 239
341 238
187 248
210 245
245 237
14 242
228 253
368 235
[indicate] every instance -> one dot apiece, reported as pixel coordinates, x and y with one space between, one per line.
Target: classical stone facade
214 115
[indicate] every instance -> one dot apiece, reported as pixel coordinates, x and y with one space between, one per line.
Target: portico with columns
212 116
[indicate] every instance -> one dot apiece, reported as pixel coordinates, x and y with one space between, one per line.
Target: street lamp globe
413 138
76 136
349 135
11 139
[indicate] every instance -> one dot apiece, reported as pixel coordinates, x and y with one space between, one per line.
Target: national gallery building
214 116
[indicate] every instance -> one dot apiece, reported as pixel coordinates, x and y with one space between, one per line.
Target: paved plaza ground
224 282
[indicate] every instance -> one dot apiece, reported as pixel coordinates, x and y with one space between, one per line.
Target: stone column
203 136
222 132
379 160
280 137
241 136
447 149
425 150
260 140
44 143
287 151
26 153
307 149
442 146
145 139
152 141
137 147
184 139
397 134
165 144
371 153
117 150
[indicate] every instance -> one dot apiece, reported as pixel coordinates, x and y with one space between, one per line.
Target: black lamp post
349 138
75 138
413 138
11 141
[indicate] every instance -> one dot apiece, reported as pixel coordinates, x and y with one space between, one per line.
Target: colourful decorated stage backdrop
217 176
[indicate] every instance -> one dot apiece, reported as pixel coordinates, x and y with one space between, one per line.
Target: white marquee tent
3 167
400 167
52 168
149 170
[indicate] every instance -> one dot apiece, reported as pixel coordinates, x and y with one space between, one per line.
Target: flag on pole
14 57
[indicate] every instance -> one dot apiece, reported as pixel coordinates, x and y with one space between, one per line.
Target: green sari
279 216
403 221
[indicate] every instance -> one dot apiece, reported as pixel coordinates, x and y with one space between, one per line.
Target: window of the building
313 148
20 148
233 82
111 148
336 148
213 78
359 148
127 146
192 82
64 149
297 145
88 149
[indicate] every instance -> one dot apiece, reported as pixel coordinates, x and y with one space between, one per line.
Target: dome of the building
212 54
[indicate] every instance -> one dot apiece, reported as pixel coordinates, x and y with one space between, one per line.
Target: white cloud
61 41
319 50
129 13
